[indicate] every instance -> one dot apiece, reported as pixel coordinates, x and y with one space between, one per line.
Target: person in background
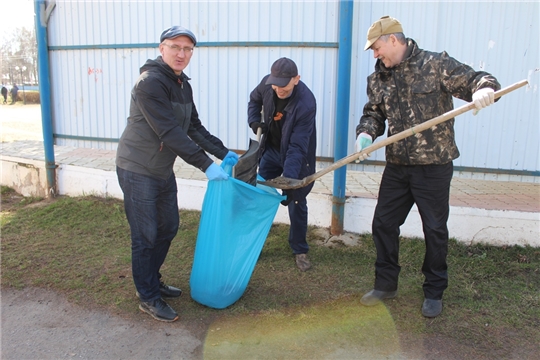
4 93
163 124
410 86
288 143
14 93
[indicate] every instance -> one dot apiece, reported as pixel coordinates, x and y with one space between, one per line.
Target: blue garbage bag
235 220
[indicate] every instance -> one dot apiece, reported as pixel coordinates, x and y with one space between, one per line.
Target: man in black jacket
289 142
4 93
163 123
14 93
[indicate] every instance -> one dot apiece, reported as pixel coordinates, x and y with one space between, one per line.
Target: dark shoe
159 310
166 291
302 262
431 308
169 291
375 296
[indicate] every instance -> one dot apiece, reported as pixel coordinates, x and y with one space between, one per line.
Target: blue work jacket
298 134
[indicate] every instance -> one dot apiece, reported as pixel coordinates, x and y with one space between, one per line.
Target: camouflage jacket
418 89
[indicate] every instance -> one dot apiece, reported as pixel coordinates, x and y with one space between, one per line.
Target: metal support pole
45 94
342 113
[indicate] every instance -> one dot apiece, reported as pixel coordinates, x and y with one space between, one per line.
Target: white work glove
363 141
482 98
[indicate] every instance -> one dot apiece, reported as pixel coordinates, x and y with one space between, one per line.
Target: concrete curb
466 224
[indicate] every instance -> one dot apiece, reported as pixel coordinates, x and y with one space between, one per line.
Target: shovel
287 183
246 168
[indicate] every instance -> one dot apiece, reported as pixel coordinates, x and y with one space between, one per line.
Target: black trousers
427 186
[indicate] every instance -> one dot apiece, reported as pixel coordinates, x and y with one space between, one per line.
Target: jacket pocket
375 97
426 98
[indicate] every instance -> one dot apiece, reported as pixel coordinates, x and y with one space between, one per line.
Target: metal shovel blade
246 168
282 182
288 183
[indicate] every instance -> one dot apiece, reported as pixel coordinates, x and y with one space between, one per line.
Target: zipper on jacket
161 146
397 81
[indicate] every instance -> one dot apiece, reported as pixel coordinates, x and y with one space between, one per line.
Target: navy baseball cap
283 70
175 31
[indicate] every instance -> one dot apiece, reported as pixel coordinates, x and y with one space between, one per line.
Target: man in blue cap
163 123
289 142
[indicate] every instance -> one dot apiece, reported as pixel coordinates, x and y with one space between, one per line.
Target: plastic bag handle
227 166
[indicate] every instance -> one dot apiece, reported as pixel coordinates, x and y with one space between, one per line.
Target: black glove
255 125
289 194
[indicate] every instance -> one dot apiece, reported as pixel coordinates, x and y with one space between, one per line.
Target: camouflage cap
384 26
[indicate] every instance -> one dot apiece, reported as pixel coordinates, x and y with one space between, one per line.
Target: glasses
176 49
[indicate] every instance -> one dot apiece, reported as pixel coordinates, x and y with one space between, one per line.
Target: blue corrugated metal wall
96 49
498 37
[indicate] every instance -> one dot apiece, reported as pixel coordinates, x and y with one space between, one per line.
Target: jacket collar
412 51
161 66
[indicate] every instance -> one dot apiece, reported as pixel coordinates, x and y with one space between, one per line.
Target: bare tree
19 49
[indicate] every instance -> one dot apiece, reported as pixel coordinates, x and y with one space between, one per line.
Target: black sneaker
159 310
166 291
169 291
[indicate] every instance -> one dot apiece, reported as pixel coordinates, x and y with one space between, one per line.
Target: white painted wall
468 225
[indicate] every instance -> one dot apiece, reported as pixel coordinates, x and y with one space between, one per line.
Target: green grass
81 248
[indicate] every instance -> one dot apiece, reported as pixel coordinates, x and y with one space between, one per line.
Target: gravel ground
39 324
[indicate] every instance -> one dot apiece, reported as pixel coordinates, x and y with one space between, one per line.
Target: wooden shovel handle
409 132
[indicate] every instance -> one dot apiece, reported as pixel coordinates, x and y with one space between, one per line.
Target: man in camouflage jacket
410 86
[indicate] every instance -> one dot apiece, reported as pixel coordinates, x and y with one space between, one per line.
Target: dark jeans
402 186
270 168
151 207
